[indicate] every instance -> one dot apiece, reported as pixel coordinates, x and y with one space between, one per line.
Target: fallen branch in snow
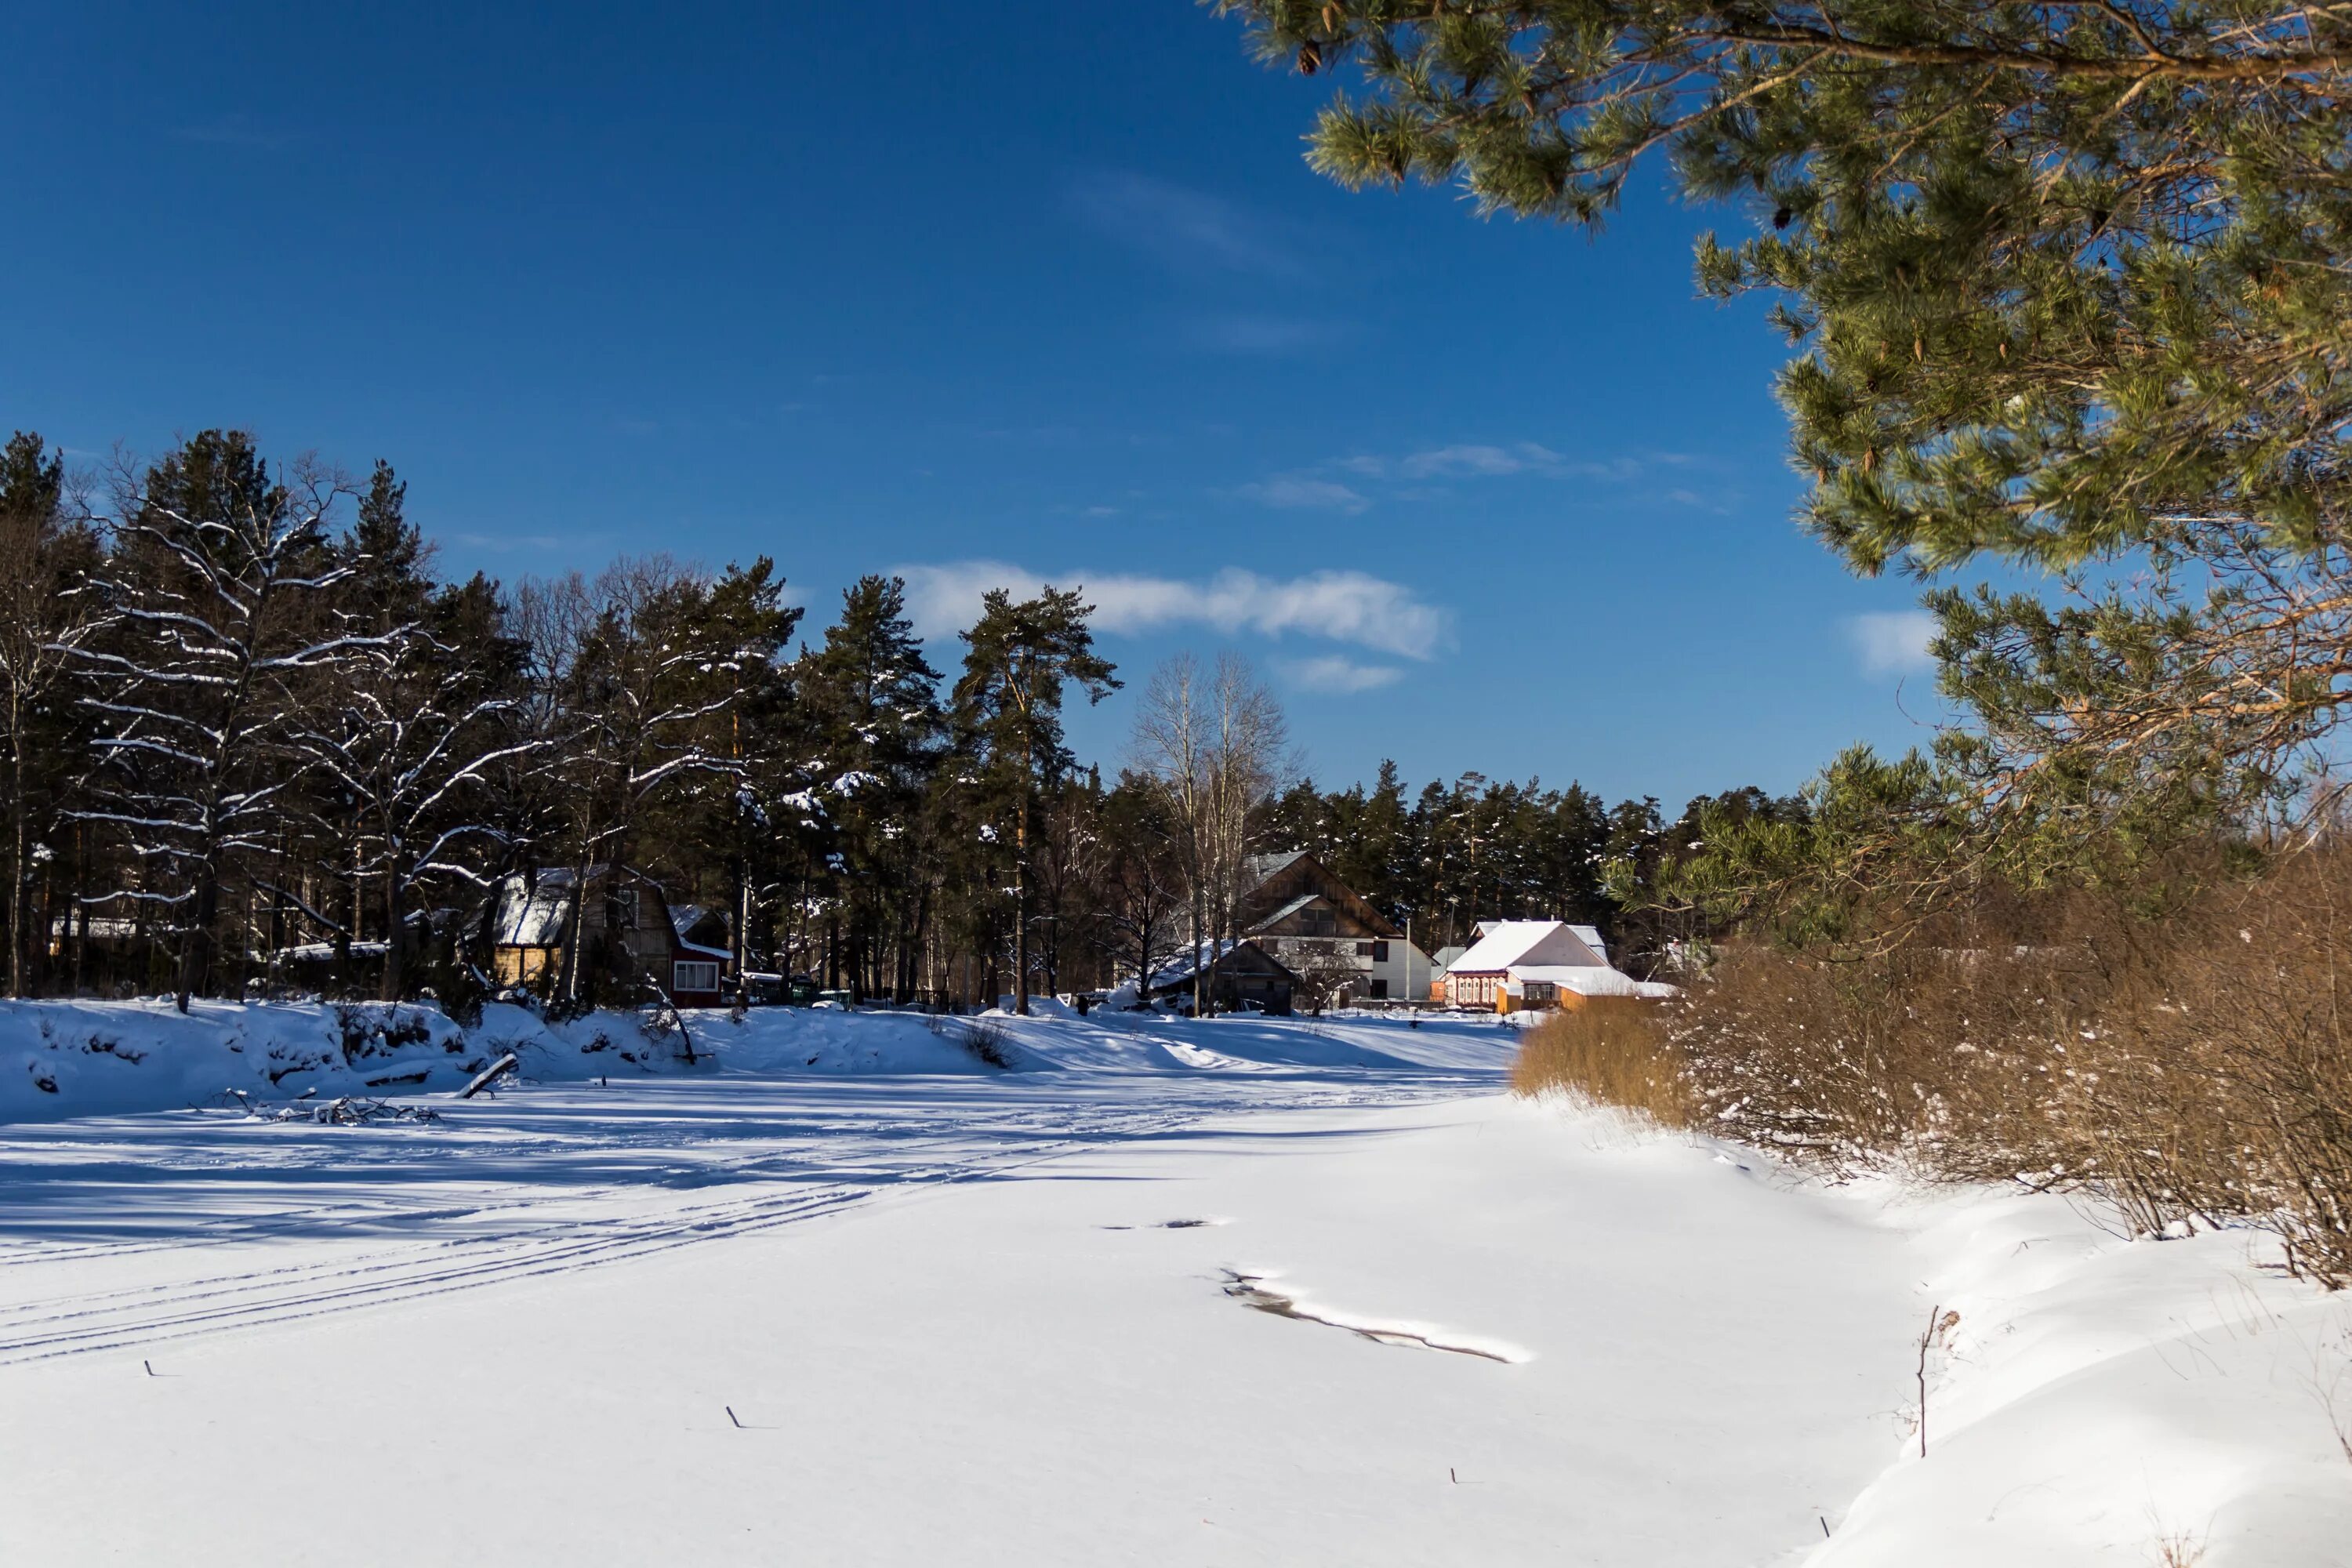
346 1112
490 1075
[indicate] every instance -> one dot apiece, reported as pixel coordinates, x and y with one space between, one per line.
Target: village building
1516 966
1328 934
626 925
1242 976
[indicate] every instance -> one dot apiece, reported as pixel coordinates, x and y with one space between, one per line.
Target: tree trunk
1020 909
741 933
196 953
20 886
1200 981
395 929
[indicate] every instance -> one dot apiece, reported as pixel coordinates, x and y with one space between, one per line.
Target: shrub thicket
2192 1068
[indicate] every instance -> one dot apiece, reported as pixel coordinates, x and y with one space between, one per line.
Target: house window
1319 922
1364 950
625 904
687 974
1379 989
1380 953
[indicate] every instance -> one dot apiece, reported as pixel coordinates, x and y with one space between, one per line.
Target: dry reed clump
1613 1054
2195 1068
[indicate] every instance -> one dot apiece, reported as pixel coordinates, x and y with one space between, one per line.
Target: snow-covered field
1227 1292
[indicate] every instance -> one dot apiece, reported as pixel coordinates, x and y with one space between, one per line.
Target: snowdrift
79 1058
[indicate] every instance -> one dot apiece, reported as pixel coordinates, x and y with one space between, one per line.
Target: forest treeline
250 733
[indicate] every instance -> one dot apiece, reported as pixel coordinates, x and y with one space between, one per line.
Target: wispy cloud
1319 484
1337 673
1294 491
1481 461
1344 606
1894 642
1183 227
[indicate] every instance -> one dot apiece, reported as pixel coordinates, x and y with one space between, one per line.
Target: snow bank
61 1059
2107 1401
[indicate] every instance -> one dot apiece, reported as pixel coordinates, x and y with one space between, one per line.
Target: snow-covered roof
1179 968
1266 868
1591 980
1505 944
703 950
684 918
538 920
1286 910
1590 937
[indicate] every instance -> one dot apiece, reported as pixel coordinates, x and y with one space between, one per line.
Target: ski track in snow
791 1152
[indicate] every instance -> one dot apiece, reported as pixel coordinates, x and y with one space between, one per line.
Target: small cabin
628 926
1242 977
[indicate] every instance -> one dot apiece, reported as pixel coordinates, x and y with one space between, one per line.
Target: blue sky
1019 292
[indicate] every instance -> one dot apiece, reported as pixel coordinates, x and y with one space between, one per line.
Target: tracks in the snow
314 1259
37 1331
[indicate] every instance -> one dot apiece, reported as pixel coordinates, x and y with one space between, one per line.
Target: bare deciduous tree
1218 749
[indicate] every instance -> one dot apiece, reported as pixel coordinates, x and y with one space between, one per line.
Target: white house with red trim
1518 966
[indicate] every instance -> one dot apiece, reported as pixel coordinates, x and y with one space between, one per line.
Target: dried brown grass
1617 1055
2186 1055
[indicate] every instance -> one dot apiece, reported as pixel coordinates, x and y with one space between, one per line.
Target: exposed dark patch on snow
1250 1291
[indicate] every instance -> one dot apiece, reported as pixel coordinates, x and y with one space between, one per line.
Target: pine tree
47 610
1019 659
2068 286
874 714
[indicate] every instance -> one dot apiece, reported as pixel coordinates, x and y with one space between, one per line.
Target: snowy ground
1183 1293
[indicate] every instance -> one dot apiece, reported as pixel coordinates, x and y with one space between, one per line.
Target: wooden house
627 927
1243 976
1328 933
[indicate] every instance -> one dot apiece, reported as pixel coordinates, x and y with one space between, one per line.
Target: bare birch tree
1218 749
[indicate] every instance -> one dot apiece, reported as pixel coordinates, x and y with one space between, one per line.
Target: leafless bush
2194 1068
1618 1055
985 1040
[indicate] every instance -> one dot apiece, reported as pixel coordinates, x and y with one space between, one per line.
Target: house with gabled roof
1530 965
626 924
1240 976
1324 931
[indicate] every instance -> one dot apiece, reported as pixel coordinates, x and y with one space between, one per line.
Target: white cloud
1334 672
1342 606
1291 492
1479 460
1894 642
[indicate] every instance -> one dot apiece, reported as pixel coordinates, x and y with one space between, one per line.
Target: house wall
1475 991
1403 970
